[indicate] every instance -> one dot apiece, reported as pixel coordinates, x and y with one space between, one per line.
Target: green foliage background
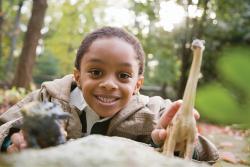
46 69
227 100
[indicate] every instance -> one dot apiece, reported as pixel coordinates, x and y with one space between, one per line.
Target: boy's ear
139 84
77 76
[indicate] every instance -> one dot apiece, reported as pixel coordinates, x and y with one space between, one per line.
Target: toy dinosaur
41 127
182 130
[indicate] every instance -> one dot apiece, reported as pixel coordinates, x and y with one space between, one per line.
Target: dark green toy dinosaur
41 126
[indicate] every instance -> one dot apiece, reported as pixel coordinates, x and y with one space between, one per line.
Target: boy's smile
108 75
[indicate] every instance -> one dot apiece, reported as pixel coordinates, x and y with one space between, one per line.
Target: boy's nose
109 84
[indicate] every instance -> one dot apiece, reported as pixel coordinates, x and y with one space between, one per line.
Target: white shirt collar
76 99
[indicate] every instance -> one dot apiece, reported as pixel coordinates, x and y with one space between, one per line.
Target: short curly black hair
107 32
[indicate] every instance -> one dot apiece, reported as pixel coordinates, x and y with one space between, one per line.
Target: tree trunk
13 39
23 75
185 59
200 27
196 32
1 31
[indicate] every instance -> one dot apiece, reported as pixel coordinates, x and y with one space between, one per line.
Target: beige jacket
136 121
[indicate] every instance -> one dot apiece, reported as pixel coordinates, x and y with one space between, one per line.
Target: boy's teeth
106 99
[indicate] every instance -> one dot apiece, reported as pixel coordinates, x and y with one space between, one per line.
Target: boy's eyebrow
125 64
94 60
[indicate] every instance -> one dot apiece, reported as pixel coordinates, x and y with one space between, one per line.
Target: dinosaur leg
189 149
171 144
165 145
182 148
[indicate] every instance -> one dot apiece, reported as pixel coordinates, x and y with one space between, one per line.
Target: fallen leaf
244 162
229 157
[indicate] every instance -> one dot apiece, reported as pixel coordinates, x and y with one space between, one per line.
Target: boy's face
109 75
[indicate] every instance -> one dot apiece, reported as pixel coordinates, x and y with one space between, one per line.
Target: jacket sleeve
14 112
12 119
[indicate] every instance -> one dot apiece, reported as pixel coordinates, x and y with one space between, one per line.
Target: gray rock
95 151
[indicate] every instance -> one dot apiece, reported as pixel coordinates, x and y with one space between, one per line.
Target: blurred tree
13 38
10 38
233 19
194 28
1 25
161 67
47 68
23 75
70 23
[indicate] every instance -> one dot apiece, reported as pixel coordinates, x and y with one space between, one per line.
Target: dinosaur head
41 124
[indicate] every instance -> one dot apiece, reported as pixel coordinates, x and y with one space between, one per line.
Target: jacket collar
60 88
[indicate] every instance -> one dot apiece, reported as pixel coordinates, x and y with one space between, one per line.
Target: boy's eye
95 73
124 75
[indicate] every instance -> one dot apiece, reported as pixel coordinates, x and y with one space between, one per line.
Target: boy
103 96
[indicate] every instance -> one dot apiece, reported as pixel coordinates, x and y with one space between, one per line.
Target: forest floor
233 144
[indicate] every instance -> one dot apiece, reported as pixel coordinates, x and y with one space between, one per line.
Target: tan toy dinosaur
182 130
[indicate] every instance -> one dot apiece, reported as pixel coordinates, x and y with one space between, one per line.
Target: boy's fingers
162 134
12 149
196 114
154 135
23 145
168 115
18 140
158 136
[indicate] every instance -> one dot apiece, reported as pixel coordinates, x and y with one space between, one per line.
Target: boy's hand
18 143
159 134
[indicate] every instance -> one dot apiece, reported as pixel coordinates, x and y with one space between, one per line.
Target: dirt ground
233 145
